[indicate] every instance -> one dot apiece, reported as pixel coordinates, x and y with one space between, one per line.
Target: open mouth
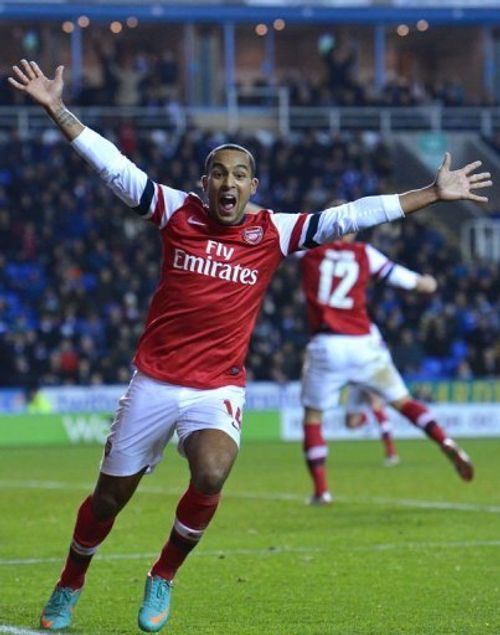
227 203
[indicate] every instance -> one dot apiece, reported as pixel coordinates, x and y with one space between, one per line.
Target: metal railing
271 111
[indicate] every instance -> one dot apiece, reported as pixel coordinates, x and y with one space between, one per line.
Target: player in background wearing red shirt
347 348
217 263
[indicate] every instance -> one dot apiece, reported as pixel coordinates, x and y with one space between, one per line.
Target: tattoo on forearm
64 118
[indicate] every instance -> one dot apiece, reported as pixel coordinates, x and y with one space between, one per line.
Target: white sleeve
384 269
379 263
304 231
149 199
366 212
402 277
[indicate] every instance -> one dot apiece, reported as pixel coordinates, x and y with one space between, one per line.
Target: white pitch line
61 485
271 551
271 496
44 485
422 504
471 544
14 630
376 500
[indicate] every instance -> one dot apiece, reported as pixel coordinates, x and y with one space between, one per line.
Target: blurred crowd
77 268
129 79
338 83
120 74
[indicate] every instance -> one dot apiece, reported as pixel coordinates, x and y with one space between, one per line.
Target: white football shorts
151 411
332 361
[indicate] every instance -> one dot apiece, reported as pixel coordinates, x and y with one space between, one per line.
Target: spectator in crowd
407 354
128 76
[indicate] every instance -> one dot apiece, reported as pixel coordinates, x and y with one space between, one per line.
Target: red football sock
315 453
422 417
194 512
385 428
380 415
88 534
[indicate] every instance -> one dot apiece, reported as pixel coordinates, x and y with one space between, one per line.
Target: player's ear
255 185
204 182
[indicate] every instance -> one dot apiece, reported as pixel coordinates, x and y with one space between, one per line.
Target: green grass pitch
409 549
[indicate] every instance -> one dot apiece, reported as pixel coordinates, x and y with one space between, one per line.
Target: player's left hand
454 185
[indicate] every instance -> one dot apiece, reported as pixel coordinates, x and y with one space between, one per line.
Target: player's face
229 185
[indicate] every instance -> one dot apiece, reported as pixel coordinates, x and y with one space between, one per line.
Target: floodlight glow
116 27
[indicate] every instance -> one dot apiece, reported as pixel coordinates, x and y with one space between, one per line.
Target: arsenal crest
253 235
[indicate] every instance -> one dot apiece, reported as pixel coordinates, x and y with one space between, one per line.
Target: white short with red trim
151 411
332 361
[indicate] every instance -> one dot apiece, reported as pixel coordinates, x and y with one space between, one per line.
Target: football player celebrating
347 348
190 377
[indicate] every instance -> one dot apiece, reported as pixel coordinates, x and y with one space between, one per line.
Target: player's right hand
29 79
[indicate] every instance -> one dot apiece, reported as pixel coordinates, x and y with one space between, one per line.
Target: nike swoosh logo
160 617
193 221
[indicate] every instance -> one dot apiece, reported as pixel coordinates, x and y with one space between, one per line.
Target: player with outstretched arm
190 377
346 347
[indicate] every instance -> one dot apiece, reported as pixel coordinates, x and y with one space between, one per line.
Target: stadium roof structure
485 12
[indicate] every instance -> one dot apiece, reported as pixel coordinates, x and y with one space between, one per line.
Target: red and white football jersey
335 279
213 276
213 281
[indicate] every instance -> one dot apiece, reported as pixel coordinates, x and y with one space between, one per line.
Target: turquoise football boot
155 608
58 612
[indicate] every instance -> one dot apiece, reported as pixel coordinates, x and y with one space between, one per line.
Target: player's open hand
454 185
29 79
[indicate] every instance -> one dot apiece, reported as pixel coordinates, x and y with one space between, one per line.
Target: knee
398 404
112 493
210 479
312 416
211 454
106 505
352 420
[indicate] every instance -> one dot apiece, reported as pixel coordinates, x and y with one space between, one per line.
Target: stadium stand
74 284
